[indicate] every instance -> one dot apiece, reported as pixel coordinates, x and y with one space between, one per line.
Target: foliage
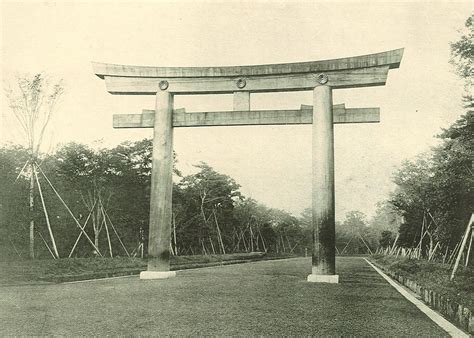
354 235
33 100
462 52
210 215
435 190
386 239
438 186
14 213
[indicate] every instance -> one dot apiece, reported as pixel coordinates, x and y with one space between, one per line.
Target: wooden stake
394 243
263 241
212 245
464 240
80 234
219 232
46 244
116 234
432 253
14 247
106 227
243 241
70 213
344 249
45 211
21 171
453 253
174 234
370 251
469 249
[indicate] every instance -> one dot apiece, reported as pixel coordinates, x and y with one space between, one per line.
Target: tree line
107 191
434 192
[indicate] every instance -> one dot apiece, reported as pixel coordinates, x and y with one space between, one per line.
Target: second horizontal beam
247 118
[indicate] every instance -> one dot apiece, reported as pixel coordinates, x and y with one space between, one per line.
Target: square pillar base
333 279
157 274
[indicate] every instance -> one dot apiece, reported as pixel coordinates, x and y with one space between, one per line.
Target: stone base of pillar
333 279
157 274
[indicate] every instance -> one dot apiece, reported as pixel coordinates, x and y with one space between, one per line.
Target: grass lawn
69 269
434 276
270 298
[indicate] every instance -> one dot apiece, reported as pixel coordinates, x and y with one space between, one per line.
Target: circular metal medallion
241 83
323 78
163 85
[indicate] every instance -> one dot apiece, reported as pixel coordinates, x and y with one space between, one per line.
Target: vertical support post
323 206
159 235
241 101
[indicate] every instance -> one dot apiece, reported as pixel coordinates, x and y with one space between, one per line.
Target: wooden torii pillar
319 76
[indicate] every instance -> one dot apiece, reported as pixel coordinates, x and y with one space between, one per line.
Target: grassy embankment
433 276
70 269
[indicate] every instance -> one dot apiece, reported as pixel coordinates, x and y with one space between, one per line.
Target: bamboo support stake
45 211
203 247
106 227
243 241
344 249
431 254
174 234
453 253
464 240
422 234
219 232
251 238
14 247
45 243
212 245
21 171
394 243
70 212
116 233
469 249
289 245
370 251
263 241
83 227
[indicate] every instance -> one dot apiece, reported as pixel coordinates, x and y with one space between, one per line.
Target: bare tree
33 100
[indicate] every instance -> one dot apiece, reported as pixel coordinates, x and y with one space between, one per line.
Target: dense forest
109 188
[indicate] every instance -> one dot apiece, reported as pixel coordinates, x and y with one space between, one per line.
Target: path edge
439 320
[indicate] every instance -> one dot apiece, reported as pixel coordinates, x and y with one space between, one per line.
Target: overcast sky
272 163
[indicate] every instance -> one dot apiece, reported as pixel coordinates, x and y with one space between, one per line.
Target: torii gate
319 76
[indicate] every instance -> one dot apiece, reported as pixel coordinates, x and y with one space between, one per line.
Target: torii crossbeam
319 76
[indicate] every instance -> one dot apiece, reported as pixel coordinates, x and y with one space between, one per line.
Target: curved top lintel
389 58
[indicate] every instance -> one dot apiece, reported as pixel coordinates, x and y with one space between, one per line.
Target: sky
271 163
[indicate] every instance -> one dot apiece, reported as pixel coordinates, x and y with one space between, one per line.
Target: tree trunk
174 234
97 225
251 238
96 239
32 208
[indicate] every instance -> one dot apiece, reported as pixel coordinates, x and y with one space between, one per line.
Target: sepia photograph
237 168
